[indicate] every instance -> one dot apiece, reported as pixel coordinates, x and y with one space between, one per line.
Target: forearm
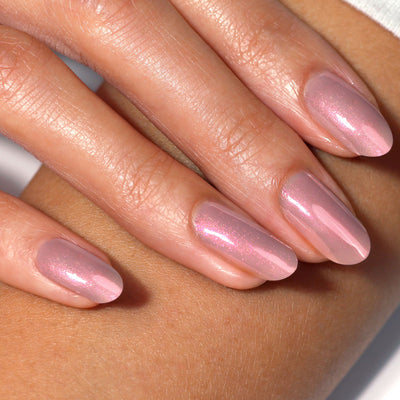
177 335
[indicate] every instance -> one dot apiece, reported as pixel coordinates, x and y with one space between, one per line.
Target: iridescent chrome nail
324 220
243 242
347 115
78 270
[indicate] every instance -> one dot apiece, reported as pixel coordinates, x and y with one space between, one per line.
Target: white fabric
385 12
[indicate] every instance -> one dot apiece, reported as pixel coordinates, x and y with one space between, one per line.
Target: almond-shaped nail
78 270
243 242
347 115
324 220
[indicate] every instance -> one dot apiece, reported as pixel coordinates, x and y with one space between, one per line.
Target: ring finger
182 85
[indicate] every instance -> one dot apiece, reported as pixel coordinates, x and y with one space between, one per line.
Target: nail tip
383 151
113 297
359 253
109 299
284 273
385 145
112 289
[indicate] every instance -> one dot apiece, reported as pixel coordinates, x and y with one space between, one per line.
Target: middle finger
183 86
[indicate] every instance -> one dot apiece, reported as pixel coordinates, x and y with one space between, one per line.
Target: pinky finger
42 257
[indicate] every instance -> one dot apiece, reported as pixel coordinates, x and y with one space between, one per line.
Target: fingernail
324 220
243 242
78 270
347 115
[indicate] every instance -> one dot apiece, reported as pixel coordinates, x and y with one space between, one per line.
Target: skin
245 135
177 335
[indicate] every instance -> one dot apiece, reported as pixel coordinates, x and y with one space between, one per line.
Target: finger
44 107
40 256
304 81
183 86
293 71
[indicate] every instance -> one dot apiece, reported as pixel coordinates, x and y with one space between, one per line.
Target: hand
181 66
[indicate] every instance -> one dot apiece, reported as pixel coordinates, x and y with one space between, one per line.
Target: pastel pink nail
243 242
78 270
347 115
324 220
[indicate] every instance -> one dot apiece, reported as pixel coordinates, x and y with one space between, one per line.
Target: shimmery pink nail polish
324 220
243 242
78 270
347 115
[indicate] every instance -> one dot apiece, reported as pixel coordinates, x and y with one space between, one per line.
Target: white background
376 376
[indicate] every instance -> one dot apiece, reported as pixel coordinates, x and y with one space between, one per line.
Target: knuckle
251 47
120 25
240 139
249 37
258 39
102 19
20 54
144 185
